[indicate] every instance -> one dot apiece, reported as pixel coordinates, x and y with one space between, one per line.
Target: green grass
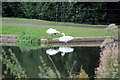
7 45
41 30
42 21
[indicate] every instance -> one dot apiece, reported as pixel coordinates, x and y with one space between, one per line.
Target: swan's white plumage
52 31
65 38
51 51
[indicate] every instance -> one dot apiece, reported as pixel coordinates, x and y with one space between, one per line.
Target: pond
36 62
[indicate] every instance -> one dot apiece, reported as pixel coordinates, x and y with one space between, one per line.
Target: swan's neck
63 53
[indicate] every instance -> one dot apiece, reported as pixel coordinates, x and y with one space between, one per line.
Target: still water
61 60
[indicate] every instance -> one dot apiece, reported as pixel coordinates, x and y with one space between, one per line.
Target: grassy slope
42 21
41 30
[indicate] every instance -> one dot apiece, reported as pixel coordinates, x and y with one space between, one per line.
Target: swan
65 49
65 38
52 31
51 51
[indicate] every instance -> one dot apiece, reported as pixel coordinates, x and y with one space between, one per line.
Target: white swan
52 31
65 38
65 49
52 51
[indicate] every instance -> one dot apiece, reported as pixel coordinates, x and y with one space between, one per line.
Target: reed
13 67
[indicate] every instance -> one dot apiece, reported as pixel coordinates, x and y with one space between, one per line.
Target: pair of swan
61 39
63 49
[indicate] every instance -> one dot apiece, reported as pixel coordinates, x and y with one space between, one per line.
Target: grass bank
41 30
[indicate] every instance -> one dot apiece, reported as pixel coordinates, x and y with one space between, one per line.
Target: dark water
87 57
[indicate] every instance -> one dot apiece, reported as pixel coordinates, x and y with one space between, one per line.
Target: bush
28 41
108 67
52 10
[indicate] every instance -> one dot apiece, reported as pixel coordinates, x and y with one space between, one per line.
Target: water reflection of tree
84 56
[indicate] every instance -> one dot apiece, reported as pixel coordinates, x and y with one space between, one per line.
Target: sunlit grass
41 30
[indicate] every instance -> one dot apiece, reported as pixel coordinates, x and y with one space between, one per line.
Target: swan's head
63 34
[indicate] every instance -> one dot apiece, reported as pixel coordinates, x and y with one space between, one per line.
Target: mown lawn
41 30
43 21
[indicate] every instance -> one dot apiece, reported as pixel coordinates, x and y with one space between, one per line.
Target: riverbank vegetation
108 66
28 41
17 65
109 61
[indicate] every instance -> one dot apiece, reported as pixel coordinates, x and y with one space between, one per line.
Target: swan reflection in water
63 50
52 51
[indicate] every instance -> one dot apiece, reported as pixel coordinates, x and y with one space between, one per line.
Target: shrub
108 67
27 41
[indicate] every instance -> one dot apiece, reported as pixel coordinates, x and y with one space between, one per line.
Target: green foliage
49 11
45 71
13 65
82 74
28 41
